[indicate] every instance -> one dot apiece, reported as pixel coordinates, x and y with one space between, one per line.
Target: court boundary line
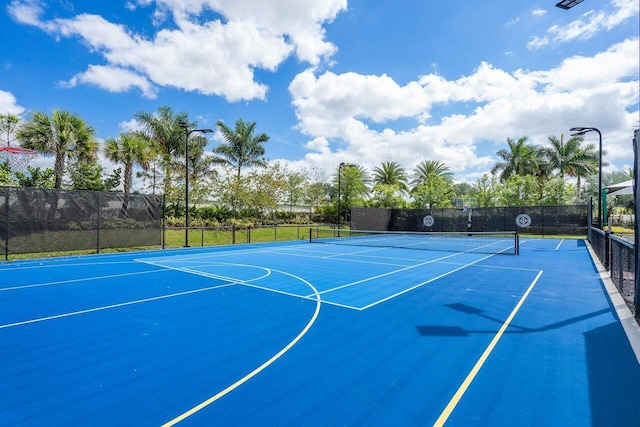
448 410
112 306
61 282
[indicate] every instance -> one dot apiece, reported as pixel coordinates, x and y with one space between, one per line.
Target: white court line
497 267
12 267
111 306
60 282
423 283
262 367
558 247
389 273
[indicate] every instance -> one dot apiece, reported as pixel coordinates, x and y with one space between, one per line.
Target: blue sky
335 81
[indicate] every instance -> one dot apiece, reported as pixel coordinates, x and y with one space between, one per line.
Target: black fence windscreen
35 220
541 220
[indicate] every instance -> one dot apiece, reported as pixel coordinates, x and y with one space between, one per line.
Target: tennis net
505 242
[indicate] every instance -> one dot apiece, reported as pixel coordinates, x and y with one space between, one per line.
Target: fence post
164 223
6 232
98 226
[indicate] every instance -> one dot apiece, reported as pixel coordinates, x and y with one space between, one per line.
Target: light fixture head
568 4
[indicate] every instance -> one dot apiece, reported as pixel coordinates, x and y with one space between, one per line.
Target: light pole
579 131
188 132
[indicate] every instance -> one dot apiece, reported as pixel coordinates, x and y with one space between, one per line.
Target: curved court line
260 368
485 355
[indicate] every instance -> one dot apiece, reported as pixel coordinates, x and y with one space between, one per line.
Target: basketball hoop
17 157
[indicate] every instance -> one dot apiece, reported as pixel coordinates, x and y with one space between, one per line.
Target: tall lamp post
188 133
579 131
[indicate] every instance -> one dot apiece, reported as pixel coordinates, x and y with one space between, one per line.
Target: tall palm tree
572 158
519 159
392 174
63 134
129 149
163 130
427 168
241 147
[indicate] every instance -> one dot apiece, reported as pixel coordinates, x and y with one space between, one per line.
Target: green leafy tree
8 127
37 178
297 185
519 190
386 196
87 175
63 135
353 189
5 174
436 191
129 150
318 190
269 188
486 190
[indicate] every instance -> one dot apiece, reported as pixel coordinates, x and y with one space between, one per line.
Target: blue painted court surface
315 334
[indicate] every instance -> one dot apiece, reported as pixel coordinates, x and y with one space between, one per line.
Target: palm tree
519 159
129 149
241 147
64 135
427 168
163 130
391 174
572 158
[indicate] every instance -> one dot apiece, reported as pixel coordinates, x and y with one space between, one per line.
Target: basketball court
298 333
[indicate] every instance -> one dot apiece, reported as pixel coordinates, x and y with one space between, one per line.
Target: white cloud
351 117
216 57
113 79
9 104
26 11
588 25
536 13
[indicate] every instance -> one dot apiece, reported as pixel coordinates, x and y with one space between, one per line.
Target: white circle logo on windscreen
523 220
428 221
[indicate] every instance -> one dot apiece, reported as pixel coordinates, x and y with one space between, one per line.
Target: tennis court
297 333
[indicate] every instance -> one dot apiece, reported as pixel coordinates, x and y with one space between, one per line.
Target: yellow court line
260 368
472 374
